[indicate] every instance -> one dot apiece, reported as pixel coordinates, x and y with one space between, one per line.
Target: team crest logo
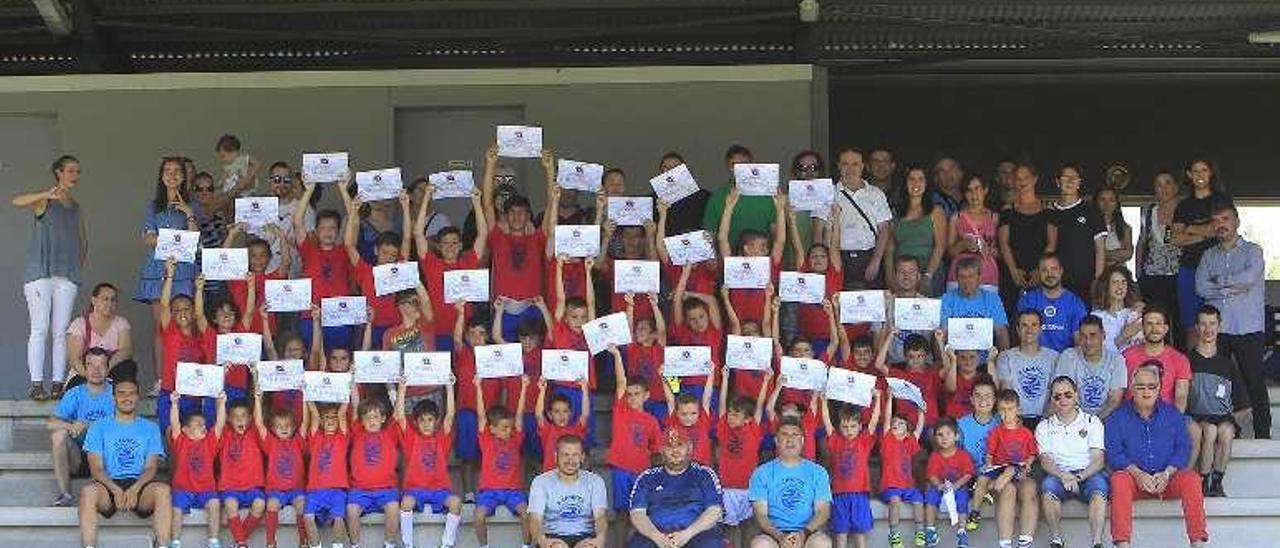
1050 311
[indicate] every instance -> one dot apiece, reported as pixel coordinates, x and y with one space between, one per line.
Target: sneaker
1057 543
989 499
1024 542
469 498
895 540
962 539
930 537
214 543
1097 545
64 499
920 539
974 522
1215 488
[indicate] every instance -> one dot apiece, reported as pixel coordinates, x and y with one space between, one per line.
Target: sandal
55 392
37 393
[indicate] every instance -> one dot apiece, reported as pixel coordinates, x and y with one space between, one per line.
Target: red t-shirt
328 466
1174 364
284 462
433 268
193 463
704 278
239 290
739 452
549 432
240 460
179 347
1011 445
464 367
374 457
517 270
236 375
749 304
329 269
699 434
812 318
682 335
952 468
426 458
960 403
646 362
635 437
385 312
930 385
849 470
895 461
500 466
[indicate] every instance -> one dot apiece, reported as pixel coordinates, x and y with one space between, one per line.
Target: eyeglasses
807 168
1063 396
504 179
281 179
1146 386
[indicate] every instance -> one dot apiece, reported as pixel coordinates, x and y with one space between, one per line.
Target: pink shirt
109 341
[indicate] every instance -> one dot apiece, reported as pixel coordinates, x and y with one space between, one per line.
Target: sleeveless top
1162 256
984 230
1028 235
914 238
54 249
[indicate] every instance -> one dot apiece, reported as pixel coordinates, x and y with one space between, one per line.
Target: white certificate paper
499 360
181 245
630 210
380 184
258 211
605 330
199 379
690 247
392 277
751 353
452 184
280 375
746 272
917 314
686 361
969 333
905 390
802 287
756 179
336 311
325 167
637 277
288 295
674 185
578 240
224 263
803 373
319 386
565 365
239 348
862 306
812 195
470 286
376 366
519 141
850 386
579 175
428 368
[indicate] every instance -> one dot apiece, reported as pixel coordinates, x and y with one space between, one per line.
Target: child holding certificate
960 373
705 275
692 417
817 259
181 323
918 371
738 438
697 323
950 470
566 334
745 381
751 303
426 438
467 335
898 446
194 447
808 415
227 319
575 281
501 480
259 260
285 472
646 352
446 255
849 450
628 454
531 332
389 248
324 261
635 243
803 348
554 421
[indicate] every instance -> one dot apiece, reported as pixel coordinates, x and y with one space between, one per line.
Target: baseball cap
675 436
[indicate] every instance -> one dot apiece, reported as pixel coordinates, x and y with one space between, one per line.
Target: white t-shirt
1113 324
1069 444
855 233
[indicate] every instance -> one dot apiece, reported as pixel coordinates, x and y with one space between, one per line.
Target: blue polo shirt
124 446
674 501
1152 444
1061 316
983 304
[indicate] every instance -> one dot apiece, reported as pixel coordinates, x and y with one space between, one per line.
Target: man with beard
567 505
677 503
947 176
1175 379
1061 309
791 495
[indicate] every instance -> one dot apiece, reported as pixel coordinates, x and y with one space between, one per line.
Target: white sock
388 544
406 529
451 523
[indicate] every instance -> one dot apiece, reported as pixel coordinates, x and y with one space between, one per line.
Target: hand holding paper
328 167
519 141
224 263
612 329
180 245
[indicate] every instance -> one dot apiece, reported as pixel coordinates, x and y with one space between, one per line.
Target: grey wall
119 127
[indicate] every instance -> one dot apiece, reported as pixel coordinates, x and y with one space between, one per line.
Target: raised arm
882 353
540 404
771 410
460 322
659 323
300 214
317 356
586 402
424 303
486 186
833 330
876 410
482 417
220 417
948 372
677 297
619 373
268 342
166 294
175 420
481 245
450 408
38 200
724 391
793 236
351 232
779 228
763 395
735 324
588 264
559 286
406 225
399 406
420 222
202 321
366 340
726 220
520 402
259 423
660 235
826 416
549 220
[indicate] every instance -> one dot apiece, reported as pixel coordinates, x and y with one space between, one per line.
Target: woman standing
167 209
1193 232
100 327
55 256
1118 304
973 234
1080 233
919 231
1118 243
1158 256
1028 218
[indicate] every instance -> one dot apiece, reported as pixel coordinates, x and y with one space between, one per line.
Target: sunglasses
1063 396
1152 386
281 179
807 168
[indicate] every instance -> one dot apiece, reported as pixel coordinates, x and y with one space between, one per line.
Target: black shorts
111 502
571 540
1214 419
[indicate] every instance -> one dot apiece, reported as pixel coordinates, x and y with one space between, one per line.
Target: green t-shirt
753 212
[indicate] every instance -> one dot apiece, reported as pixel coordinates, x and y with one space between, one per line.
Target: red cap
676 436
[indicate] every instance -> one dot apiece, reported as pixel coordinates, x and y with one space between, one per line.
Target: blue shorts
995 472
911 495
851 513
372 501
466 432
285 498
186 501
491 499
933 497
658 409
244 498
620 493
511 322
433 497
326 503
1096 483
1188 300
187 406
575 405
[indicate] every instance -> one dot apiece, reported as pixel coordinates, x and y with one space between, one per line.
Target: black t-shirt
686 214
1078 227
1195 211
1207 374
1028 235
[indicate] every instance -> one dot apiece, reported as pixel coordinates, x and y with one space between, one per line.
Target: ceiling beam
269 7
55 16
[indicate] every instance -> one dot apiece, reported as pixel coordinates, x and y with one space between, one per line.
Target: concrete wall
119 127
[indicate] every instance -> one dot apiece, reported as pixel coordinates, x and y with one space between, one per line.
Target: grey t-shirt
1029 375
567 509
1093 380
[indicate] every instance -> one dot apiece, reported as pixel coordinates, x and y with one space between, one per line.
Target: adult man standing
904 285
678 503
79 408
567 506
863 223
1230 278
1155 350
1061 309
752 212
1071 452
124 453
947 175
1028 368
1148 448
1099 373
881 165
791 495
970 300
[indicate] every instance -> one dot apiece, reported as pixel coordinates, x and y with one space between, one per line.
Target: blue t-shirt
674 501
81 405
973 436
983 304
1061 316
790 491
124 446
